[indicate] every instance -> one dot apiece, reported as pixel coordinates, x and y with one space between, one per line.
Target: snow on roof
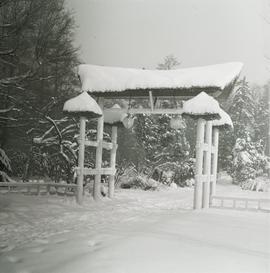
202 105
114 115
114 79
83 104
224 121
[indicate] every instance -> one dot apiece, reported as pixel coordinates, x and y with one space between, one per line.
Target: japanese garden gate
207 134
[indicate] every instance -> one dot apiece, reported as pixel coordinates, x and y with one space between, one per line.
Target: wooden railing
240 203
39 187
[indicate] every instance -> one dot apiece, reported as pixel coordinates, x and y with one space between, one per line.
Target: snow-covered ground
138 231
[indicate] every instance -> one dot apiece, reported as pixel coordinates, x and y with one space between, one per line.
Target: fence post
100 126
206 185
81 160
215 160
113 160
199 164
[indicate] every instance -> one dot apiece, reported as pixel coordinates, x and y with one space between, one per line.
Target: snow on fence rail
68 189
240 203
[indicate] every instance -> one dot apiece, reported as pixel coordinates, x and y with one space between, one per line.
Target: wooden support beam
101 171
215 160
100 126
151 100
158 111
81 160
206 185
105 145
113 161
199 164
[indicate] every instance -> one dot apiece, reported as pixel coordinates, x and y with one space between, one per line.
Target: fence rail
68 189
240 203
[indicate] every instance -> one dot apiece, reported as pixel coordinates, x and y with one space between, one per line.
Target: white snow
83 103
96 78
202 104
138 231
225 120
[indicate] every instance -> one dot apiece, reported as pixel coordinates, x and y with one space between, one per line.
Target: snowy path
137 232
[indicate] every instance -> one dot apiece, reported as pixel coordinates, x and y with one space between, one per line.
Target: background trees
155 144
37 58
243 150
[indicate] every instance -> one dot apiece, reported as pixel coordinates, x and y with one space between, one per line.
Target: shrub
182 171
248 161
140 181
4 166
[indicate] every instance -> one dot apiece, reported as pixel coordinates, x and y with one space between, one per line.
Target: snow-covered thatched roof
203 106
114 115
108 80
83 105
224 122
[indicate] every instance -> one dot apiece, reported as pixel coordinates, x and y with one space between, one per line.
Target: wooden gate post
113 161
206 184
100 126
81 160
199 164
215 160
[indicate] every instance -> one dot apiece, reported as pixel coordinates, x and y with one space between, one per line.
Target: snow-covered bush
184 173
248 160
258 184
4 166
140 182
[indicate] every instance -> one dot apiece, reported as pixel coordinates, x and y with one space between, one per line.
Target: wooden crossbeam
101 171
204 146
159 111
105 145
201 177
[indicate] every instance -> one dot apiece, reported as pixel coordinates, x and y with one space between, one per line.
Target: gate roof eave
113 82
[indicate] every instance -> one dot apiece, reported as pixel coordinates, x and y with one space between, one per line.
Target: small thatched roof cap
225 122
114 115
202 106
83 105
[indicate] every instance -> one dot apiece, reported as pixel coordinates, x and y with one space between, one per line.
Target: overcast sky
140 33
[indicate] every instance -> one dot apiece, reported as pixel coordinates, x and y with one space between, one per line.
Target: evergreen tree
242 150
160 142
248 161
262 114
242 110
37 58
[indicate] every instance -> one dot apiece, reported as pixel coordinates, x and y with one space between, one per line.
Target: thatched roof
115 81
202 106
83 105
224 122
114 115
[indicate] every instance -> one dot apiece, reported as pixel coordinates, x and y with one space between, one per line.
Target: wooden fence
39 188
240 203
